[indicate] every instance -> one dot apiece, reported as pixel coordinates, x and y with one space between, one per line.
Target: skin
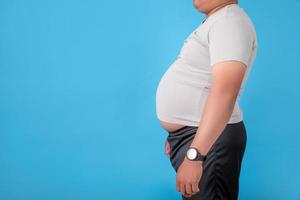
226 82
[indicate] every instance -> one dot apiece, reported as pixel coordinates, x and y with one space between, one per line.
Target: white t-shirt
227 34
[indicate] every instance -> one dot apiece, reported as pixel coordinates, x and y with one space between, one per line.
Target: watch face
191 153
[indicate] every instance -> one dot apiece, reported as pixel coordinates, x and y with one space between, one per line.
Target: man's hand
167 148
188 177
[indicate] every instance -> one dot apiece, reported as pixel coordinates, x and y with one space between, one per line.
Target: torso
184 87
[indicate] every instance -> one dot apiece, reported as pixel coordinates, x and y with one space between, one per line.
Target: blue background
77 99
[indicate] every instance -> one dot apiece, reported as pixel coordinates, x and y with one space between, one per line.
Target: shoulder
234 21
231 36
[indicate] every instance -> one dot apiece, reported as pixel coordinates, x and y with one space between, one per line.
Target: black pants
221 170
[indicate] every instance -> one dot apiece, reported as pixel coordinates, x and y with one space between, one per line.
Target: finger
195 187
182 189
188 189
187 195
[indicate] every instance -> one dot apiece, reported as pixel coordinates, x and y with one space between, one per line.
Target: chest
195 50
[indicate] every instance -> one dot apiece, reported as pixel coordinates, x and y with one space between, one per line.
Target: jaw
203 6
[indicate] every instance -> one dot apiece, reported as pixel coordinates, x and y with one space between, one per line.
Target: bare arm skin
226 82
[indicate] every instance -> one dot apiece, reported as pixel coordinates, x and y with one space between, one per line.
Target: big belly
178 99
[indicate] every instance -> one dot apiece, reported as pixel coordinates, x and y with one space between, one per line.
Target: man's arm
226 81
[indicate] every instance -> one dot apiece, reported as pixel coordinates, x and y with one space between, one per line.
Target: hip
230 144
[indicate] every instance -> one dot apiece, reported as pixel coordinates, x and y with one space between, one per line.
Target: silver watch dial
191 153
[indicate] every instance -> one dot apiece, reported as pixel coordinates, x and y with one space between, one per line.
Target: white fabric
227 34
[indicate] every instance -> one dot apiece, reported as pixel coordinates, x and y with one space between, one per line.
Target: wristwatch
194 155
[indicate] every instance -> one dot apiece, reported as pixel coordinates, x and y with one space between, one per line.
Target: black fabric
221 170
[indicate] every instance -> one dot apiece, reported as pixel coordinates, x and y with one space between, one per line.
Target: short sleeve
230 38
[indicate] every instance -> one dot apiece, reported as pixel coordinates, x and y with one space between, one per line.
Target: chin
199 5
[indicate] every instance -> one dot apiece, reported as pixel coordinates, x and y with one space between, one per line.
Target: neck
219 7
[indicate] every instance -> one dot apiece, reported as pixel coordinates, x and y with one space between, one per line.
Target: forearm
216 114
